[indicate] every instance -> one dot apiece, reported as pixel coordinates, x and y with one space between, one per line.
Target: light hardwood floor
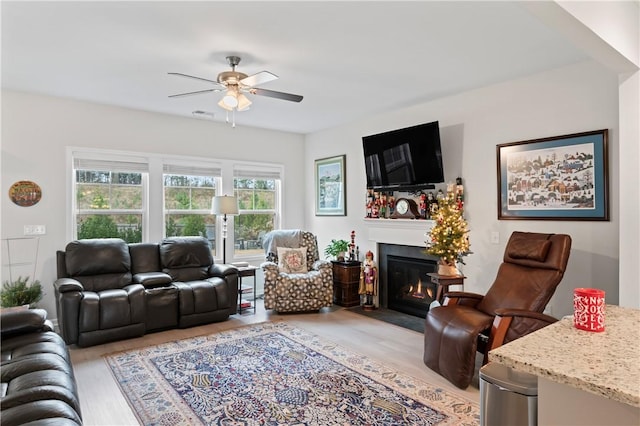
102 402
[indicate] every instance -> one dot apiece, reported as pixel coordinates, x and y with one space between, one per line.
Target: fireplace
404 283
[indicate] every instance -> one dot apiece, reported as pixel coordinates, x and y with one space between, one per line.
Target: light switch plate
495 238
35 229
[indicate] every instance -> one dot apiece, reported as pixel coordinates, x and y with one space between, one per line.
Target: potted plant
337 249
20 293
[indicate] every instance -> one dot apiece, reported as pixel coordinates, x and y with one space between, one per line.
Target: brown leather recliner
532 268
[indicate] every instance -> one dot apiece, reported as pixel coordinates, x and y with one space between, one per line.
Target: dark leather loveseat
110 290
38 384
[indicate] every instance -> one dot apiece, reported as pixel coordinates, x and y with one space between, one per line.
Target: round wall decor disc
25 193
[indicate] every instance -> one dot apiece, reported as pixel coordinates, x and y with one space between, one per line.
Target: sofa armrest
65 285
222 270
152 279
462 298
137 302
23 321
523 313
269 266
68 294
321 264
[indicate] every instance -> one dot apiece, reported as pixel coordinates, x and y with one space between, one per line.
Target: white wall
574 99
609 31
36 130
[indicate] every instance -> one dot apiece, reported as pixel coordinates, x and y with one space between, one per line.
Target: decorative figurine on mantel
368 281
432 205
423 206
369 203
383 206
459 193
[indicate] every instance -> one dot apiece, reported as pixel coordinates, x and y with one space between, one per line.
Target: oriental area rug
276 374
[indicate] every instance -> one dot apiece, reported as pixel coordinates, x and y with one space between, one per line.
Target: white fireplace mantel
399 231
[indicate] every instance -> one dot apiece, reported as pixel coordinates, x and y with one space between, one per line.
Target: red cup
588 309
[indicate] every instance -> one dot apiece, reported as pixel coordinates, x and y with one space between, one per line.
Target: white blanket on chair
290 238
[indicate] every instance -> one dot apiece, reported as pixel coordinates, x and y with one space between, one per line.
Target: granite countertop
606 363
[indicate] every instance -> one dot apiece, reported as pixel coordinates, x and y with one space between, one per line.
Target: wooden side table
443 282
244 291
346 280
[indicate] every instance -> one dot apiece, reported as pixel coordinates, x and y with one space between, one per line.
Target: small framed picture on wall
330 186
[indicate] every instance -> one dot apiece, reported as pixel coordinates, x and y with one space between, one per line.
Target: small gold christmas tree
448 239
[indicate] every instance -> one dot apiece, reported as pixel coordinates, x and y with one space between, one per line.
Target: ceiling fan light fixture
230 99
222 105
243 102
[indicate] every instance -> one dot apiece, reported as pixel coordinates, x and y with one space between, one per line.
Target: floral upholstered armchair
295 279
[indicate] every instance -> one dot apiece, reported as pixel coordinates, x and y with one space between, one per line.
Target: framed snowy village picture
557 178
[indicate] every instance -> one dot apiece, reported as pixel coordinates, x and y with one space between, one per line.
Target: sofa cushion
99 264
185 252
97 257
145 257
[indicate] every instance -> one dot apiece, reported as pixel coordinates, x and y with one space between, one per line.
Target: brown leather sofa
109 290
38 384
533 266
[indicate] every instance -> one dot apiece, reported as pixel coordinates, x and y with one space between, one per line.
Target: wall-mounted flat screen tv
404 159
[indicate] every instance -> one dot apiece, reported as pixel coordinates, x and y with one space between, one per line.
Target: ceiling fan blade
195 78
277 95
179 95
258 78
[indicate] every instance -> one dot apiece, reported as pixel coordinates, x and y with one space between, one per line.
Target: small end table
443 282
243 291
346 280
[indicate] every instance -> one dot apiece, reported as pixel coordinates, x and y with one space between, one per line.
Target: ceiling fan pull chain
233 116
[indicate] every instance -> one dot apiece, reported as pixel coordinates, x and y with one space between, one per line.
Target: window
258 200
144 197
187 201
109 199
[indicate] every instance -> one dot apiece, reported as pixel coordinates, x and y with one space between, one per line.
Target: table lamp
224 205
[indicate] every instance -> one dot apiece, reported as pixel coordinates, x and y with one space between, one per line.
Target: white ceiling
348 59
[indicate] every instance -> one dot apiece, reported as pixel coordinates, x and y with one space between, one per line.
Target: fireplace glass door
409 288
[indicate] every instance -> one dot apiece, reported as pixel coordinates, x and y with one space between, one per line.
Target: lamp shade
230 99
224 204
243 102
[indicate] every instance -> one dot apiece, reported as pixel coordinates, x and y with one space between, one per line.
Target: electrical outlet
35 229
495 238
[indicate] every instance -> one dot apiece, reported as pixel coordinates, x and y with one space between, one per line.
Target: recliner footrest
454 357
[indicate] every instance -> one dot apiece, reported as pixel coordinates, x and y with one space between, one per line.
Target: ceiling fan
236 84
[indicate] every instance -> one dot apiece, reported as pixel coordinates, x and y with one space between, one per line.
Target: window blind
250 172
110 165
179 169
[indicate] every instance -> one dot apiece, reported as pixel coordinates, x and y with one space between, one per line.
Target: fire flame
418 293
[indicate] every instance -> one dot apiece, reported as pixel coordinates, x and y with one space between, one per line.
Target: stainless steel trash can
507 397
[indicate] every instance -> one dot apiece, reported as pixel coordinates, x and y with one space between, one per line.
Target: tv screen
408 158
